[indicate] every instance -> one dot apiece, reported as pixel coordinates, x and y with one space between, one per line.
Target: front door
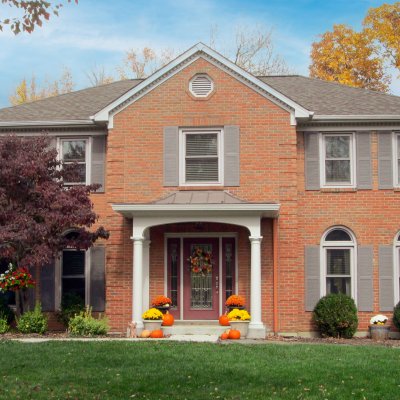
200 279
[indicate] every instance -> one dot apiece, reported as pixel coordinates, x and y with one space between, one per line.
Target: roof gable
200 50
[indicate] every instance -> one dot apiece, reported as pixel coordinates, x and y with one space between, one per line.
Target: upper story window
338 262
201 157
337 161
76 151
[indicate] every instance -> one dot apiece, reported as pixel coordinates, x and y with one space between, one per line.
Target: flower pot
241 326
152 325
379 332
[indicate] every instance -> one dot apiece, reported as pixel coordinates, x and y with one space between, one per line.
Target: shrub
84 324
396 316
5 310
71 305
336 316
4 327
32 321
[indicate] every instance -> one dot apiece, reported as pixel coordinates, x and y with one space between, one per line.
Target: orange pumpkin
168 319
234 334
145 334
224 336
224 320
157 334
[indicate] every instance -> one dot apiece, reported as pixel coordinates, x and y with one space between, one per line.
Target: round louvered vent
201 85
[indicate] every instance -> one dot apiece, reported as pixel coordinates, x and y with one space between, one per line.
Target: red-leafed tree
36 209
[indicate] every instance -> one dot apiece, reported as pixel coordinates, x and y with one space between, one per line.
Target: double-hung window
74 154
338 266
201 157
337 160
73 276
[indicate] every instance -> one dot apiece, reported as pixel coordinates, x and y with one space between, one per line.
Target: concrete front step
194 329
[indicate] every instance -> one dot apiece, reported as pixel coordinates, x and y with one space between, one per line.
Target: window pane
74 150
398 172
75 173
75 286
202 145
337 146
338 285
338 261
338 235
337 171
73 263
202 170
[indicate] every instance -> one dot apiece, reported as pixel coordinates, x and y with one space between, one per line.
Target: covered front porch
168 232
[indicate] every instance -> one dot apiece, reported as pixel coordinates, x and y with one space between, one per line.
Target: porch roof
196 203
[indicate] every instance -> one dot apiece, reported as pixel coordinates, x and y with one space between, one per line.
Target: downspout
275 273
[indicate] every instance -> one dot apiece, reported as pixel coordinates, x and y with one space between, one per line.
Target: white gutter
269 209
46 123
373 117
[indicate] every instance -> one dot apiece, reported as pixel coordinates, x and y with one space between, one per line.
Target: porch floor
195 328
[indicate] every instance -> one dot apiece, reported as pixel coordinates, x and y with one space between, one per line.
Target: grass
167 370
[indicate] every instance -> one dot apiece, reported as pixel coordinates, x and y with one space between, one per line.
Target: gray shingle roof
199 197
79 105
324 98
329 98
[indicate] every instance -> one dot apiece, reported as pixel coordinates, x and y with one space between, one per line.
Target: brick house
290 183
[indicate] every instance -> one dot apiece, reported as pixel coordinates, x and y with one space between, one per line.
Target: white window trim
322 153
396 266
58 279
352 246
396 172
88 152
182 153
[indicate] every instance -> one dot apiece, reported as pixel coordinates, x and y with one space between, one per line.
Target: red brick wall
268 172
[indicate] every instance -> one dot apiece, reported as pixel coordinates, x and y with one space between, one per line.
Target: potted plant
152 319
235 301
239 320
162 303
378 328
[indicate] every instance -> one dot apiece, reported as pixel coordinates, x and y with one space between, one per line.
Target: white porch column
146 274
256 327
137 286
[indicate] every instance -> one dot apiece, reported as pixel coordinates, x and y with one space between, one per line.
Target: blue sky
98 33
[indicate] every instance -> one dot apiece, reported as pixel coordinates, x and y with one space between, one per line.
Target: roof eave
47 124
346 118
263 209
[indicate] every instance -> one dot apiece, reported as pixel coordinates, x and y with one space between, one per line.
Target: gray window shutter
171 156
312 277
365 290
231 155
386 288
97 278
47 287
312 173
52 142
98 161
364 167
385 162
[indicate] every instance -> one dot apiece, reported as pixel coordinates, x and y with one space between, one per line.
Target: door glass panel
174 273
229 270
200 264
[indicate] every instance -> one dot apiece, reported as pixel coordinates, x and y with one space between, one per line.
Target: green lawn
166 370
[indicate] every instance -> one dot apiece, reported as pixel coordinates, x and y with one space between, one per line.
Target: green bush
32 321
5 310
85 324
4 327
396 316
71 305
336 315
